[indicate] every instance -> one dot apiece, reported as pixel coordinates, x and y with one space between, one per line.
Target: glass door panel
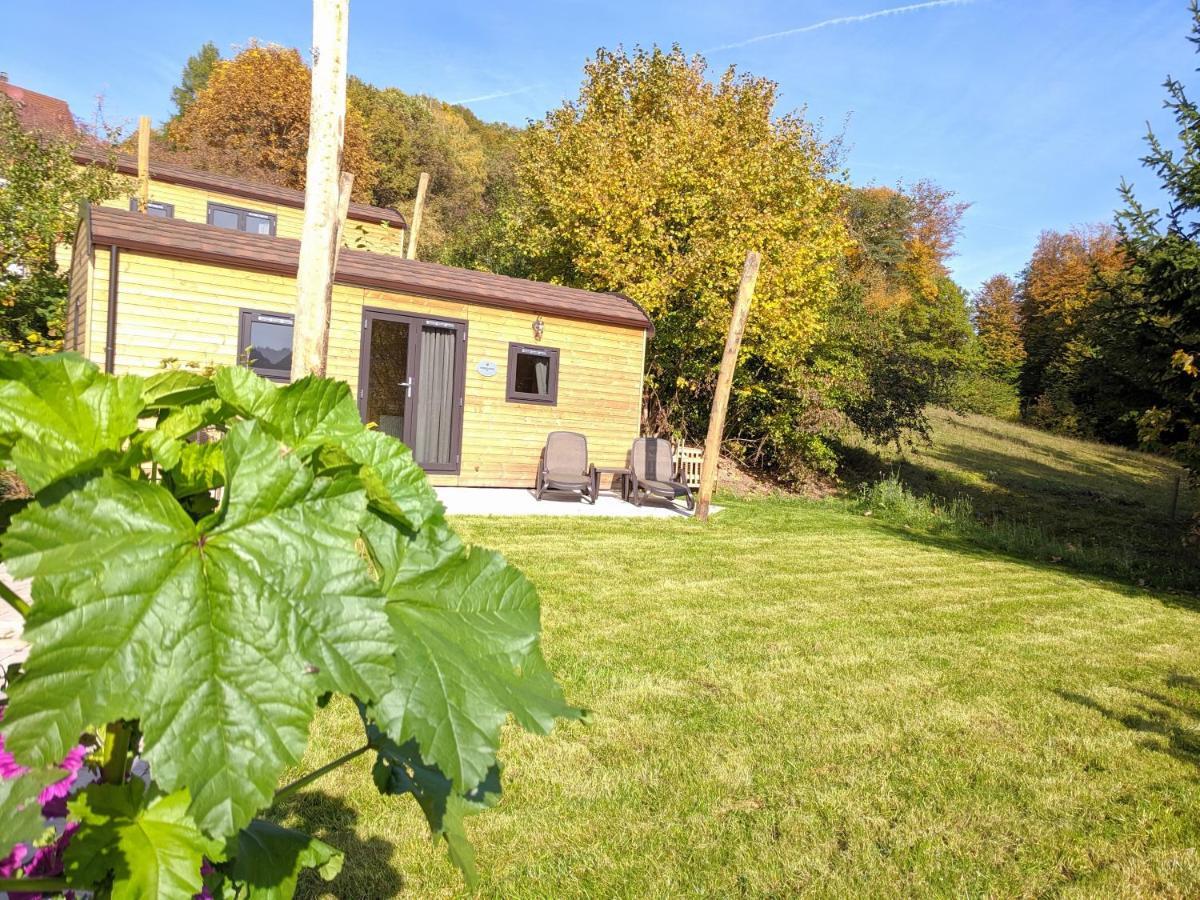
388 382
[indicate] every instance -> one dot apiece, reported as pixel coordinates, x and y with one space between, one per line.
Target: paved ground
12 648
521 502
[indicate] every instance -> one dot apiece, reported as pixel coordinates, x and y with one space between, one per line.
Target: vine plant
212 558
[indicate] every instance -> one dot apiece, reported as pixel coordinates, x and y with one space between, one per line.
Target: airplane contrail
497 95
843 20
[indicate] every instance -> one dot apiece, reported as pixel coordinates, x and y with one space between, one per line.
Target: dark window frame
169 208
246 318
241 212
512 395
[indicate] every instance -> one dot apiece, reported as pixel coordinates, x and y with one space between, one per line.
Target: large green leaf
152 847
399 769
21 819
395 484
303 414
166 441
465 626
217 635
175 388
61 416
318 414
267 859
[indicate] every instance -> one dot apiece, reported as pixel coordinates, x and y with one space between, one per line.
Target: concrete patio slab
460 501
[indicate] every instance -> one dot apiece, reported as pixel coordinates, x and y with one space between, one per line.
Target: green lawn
797 699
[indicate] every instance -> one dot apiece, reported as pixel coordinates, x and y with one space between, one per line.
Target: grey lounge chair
564 466
654 473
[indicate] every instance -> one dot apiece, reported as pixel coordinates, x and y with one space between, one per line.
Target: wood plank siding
188 309
75 336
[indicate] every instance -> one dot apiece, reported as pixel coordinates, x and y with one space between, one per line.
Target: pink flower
8 766
54 797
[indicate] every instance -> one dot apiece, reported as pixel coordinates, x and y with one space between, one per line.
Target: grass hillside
802 699
1019 490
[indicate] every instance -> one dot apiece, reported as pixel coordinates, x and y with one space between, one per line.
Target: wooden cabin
471 370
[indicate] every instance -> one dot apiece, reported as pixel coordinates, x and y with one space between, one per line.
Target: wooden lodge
471 370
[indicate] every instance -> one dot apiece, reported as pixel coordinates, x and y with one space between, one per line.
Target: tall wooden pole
143 163
418 212
345 189
320 234
720 404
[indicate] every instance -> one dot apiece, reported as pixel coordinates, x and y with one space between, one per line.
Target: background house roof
49 115
39 112
225 184
177 239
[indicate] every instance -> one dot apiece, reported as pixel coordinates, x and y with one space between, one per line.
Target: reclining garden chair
652 462
564 466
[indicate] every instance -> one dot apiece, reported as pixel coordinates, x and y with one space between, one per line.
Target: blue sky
1032 111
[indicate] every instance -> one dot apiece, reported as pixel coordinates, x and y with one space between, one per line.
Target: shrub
986 396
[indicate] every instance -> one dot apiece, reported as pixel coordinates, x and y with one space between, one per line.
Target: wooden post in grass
720 404
414 229
143 163
321 232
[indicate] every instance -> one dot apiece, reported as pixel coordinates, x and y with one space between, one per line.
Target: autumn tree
470 162
196 72
654 183
1058 291
253 113
41 189
996 316
898 335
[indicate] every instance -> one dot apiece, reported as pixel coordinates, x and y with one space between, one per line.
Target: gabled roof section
177 239
238 187
40 112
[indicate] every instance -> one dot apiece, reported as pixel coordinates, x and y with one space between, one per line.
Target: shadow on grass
1052 513
367 872
966 546
1169 724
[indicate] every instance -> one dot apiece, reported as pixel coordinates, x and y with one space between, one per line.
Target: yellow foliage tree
1058 291
997 323
654 183
253 115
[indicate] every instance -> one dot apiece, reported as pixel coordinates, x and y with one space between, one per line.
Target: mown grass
799 700
1018 490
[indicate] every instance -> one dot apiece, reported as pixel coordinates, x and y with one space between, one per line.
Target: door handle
407 385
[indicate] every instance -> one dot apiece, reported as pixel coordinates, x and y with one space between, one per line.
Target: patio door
410 384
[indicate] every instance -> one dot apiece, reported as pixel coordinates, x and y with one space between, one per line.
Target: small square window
155 208
532 374
265 344
238 219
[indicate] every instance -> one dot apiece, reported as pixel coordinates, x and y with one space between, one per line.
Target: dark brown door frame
415 324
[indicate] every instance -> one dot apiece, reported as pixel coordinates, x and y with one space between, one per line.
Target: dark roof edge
227 184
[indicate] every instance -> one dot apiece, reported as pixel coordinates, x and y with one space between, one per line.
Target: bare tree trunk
143 162
414 230
320 235
720 405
